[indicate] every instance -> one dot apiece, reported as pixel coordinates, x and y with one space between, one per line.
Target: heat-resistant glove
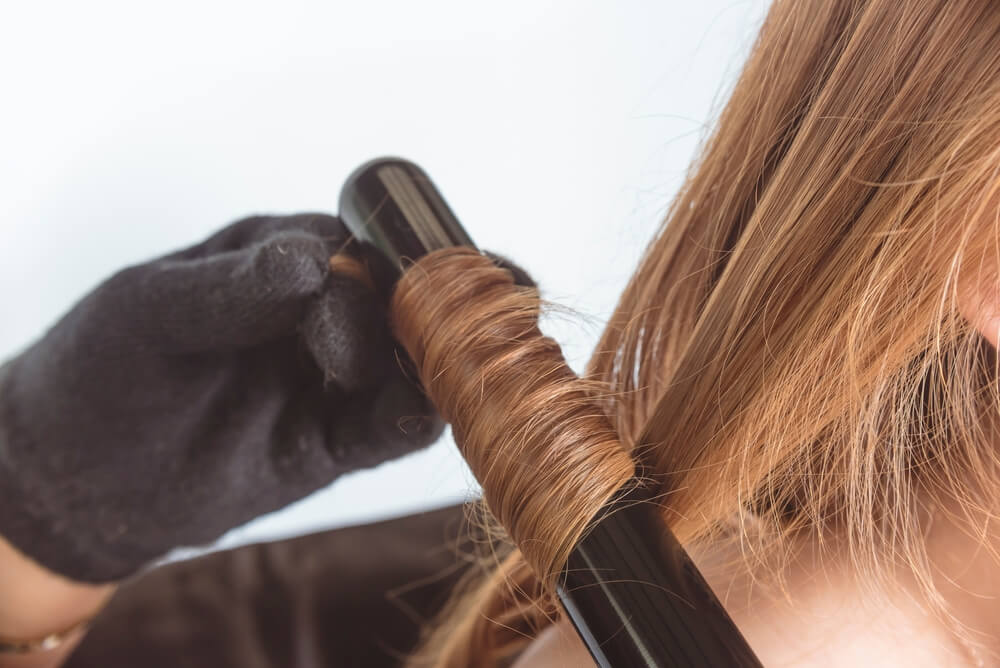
188 395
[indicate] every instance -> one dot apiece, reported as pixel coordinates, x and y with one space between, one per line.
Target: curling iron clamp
634 596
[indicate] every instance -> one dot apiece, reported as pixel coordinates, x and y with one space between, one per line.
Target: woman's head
807 351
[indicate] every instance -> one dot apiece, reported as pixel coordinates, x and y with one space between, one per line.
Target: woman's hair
789 360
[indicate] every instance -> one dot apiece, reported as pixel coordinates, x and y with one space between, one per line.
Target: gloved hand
188 395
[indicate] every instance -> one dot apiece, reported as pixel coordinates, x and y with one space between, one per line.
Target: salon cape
349 597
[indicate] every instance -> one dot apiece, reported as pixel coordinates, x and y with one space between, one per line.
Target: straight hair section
789 359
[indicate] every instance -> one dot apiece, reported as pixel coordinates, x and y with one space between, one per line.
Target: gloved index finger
253 230
225 300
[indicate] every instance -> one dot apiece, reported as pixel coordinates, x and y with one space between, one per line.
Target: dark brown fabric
349 597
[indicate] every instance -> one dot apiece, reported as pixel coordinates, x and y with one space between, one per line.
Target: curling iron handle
392 204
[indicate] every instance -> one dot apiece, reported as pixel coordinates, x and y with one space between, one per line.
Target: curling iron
631 591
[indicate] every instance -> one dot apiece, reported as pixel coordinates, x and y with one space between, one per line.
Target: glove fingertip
293 264
344 331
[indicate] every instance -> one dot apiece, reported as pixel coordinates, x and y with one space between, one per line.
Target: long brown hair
790 356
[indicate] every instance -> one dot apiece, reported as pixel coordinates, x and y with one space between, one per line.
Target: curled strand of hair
531 431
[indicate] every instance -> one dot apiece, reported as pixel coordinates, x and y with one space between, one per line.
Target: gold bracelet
45 643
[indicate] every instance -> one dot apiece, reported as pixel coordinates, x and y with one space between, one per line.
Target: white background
558 130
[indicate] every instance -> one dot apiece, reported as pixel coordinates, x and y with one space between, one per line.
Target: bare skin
37 602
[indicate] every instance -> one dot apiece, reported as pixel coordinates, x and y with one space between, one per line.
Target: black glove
188 395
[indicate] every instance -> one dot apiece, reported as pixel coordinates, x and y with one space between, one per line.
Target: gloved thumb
347 333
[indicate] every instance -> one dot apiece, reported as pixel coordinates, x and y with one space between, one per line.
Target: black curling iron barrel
633 594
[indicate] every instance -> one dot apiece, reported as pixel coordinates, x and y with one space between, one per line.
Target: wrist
36 603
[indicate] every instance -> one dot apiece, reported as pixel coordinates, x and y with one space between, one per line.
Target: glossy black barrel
634 596
637 599
392 204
